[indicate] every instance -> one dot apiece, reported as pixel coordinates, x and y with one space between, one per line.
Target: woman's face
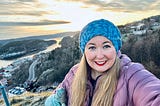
100 54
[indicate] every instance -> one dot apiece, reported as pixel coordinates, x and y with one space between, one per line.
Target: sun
47 2
72 12
79 14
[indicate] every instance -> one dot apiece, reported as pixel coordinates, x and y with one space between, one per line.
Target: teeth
100 62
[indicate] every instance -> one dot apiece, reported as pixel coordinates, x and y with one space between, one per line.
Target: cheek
89 55
111 55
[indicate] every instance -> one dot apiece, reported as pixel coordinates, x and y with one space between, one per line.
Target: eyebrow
106 42
102 43
91 44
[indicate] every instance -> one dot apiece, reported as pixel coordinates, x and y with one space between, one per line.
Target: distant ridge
42 37
151 17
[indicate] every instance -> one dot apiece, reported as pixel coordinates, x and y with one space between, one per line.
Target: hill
28 99
52 66
40 37
17 49
140 42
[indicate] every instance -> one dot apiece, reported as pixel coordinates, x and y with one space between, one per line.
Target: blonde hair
106 88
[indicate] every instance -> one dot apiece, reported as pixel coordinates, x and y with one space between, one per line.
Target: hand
60 95
57 99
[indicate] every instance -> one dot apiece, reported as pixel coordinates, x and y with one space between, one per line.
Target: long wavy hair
106 88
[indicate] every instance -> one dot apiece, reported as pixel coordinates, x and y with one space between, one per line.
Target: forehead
99 39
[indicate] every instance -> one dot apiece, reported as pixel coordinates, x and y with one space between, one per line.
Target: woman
104 76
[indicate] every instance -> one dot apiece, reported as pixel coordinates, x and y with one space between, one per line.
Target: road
32 71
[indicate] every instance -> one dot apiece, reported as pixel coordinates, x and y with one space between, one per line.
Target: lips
100 63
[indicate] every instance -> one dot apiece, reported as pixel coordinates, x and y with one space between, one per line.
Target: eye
106 46
92 48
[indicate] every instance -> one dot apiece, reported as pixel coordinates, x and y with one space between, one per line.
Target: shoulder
135 81
73 70
129 68
134 72
69 76
134 68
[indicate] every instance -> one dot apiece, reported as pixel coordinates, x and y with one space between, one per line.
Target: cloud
137 5
22 7
29 13
35 8
44 22
122 5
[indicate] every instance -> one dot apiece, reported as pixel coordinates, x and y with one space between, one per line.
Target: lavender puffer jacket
136 86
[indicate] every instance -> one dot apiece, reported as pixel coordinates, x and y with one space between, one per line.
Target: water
5 63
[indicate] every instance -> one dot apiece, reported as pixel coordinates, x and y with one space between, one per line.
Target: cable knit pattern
103 28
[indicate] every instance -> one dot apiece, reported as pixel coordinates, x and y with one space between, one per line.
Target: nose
99 53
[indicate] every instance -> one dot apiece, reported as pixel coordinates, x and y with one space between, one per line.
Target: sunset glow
53 16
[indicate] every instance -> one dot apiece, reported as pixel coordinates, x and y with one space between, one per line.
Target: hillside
40 37
51 66
28 99
17 49
140 42
58 59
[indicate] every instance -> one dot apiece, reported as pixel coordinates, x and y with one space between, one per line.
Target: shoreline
5 63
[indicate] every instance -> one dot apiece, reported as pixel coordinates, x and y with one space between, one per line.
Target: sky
19 18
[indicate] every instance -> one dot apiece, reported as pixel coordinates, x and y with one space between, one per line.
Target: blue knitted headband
100 27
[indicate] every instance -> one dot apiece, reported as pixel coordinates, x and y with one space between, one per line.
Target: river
4 63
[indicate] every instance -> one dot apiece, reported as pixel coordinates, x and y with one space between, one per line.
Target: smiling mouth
100 63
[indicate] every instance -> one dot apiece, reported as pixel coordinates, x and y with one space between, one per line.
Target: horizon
43 17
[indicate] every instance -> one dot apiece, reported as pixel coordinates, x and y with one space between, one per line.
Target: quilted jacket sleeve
143 86
61 94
